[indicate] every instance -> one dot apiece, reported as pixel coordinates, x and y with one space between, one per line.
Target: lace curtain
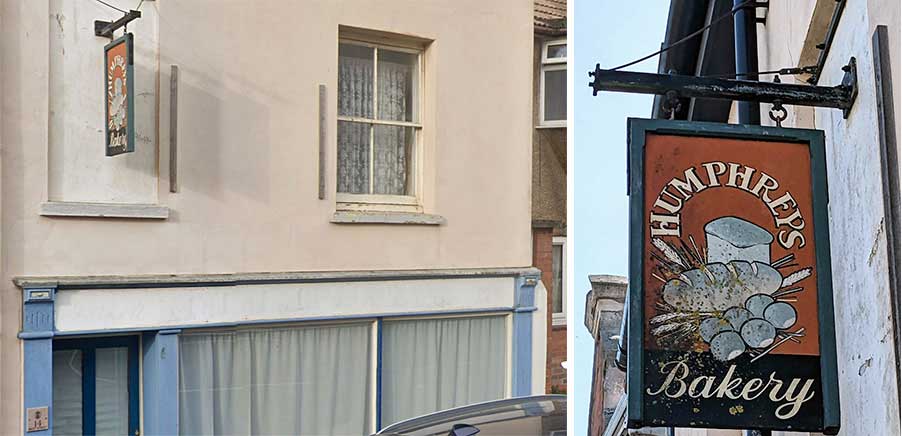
391 144
355 99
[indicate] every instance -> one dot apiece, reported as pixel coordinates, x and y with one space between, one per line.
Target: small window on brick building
558 281
553 86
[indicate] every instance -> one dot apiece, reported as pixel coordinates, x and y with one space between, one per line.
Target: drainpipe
745 39
746 43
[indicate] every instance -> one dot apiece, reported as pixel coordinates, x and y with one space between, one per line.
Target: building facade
604 316
327 210
819 37
549 176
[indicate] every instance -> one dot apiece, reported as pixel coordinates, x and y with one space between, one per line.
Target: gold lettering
706 391
712 173
686 187
743 178
663 228
677 372
767 184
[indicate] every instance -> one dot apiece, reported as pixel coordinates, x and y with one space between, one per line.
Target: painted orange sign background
118 99
729 247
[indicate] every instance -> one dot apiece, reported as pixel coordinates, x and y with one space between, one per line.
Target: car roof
538 405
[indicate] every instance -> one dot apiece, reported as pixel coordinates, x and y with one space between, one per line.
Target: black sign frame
829 387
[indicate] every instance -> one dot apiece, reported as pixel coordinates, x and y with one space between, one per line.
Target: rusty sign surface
119 96
731 305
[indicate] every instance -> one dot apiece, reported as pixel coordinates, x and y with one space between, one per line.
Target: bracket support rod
106 28
841 96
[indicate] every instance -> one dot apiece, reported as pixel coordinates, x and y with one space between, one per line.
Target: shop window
553 84
379 128
95 386
436 364
327 379
293 380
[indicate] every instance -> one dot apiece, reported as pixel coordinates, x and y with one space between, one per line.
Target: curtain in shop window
435 364
67 392
111 391
299 381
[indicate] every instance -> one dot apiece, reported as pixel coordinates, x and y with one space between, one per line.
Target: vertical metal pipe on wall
745 40
746 43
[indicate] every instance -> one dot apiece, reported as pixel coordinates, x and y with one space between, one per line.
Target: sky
609 32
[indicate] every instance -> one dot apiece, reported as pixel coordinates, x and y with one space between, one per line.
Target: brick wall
556 378
555 374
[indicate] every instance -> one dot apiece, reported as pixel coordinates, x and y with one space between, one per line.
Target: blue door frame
88 346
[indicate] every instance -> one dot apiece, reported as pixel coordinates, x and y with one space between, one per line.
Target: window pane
293 380
435 364
397 85
67 404
392 159
556 51
557 272
353 157
555 95
111 391
355 81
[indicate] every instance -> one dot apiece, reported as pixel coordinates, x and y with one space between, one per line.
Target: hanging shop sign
731 300
119 96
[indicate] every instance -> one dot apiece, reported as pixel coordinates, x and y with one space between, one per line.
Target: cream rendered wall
247 136
78 168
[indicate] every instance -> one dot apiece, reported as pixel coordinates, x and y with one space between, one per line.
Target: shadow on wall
225 139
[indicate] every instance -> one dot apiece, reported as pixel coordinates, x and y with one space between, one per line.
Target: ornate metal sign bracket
106 28
841 96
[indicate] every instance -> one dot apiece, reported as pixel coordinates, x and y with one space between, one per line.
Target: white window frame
560 318
399 203
550 64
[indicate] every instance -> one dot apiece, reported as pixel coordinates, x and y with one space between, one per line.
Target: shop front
286 353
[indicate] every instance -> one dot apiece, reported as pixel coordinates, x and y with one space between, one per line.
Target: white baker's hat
730 238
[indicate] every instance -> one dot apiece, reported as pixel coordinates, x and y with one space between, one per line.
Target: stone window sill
361 217
104 210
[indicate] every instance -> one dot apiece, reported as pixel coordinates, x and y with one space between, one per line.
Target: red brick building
549 177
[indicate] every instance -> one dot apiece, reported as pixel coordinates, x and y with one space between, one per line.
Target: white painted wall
867 374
